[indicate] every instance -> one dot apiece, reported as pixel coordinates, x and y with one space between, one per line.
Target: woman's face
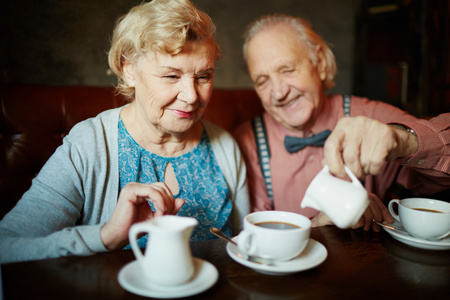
287 82
172 91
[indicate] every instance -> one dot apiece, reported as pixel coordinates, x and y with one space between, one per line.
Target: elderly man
291 67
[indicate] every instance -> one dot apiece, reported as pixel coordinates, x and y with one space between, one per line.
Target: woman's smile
182 114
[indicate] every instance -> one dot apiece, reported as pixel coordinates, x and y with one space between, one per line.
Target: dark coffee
429 210
277 225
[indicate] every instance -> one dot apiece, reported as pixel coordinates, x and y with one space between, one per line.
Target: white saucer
401 235
313 255
131 278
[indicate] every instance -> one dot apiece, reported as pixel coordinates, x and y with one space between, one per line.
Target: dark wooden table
360 265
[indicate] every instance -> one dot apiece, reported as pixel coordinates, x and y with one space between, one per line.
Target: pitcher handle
352 176
135 229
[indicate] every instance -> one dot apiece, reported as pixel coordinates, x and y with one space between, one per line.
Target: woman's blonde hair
305 33
159 26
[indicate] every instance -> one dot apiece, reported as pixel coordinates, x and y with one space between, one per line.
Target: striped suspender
263 146
347 101
263 151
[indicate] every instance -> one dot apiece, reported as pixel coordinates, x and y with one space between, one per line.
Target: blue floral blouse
201 182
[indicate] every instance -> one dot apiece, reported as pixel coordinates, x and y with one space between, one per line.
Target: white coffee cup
423 217
270 243
167 260
344 202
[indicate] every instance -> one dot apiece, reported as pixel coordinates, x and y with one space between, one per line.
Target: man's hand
321 220
375 211
364 145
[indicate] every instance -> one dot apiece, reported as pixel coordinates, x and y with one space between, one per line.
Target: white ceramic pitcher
344 202
168 259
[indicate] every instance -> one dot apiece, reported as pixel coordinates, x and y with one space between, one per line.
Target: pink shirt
292 173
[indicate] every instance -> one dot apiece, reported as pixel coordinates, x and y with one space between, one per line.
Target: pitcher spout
309 202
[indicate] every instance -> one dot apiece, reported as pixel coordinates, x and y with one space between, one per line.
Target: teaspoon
217 232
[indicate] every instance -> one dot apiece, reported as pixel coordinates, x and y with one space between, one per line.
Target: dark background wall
65 42
390 50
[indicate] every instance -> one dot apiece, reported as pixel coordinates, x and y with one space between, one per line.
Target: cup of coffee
422 217
275 235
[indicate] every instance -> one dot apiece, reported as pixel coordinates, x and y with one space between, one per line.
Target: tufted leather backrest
33 121
35 118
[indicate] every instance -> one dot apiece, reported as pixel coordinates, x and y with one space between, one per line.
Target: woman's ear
321 64
129 73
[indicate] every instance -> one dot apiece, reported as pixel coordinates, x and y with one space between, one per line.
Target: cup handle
246 242
391 209
135 229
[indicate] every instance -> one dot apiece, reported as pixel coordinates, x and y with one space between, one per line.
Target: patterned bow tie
294 144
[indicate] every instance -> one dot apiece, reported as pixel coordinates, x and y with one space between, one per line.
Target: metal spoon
252 258
217 232
391 227
409 234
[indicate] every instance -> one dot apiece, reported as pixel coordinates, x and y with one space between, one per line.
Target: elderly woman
152 157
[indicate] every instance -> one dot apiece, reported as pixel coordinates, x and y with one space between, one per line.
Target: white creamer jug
344 202
168 259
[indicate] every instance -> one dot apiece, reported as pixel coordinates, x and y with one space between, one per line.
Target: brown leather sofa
35 118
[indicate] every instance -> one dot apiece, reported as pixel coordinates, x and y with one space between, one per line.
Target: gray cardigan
76 192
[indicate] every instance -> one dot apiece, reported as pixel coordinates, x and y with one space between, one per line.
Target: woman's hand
133 207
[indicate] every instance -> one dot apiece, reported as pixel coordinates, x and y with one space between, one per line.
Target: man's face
287 82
